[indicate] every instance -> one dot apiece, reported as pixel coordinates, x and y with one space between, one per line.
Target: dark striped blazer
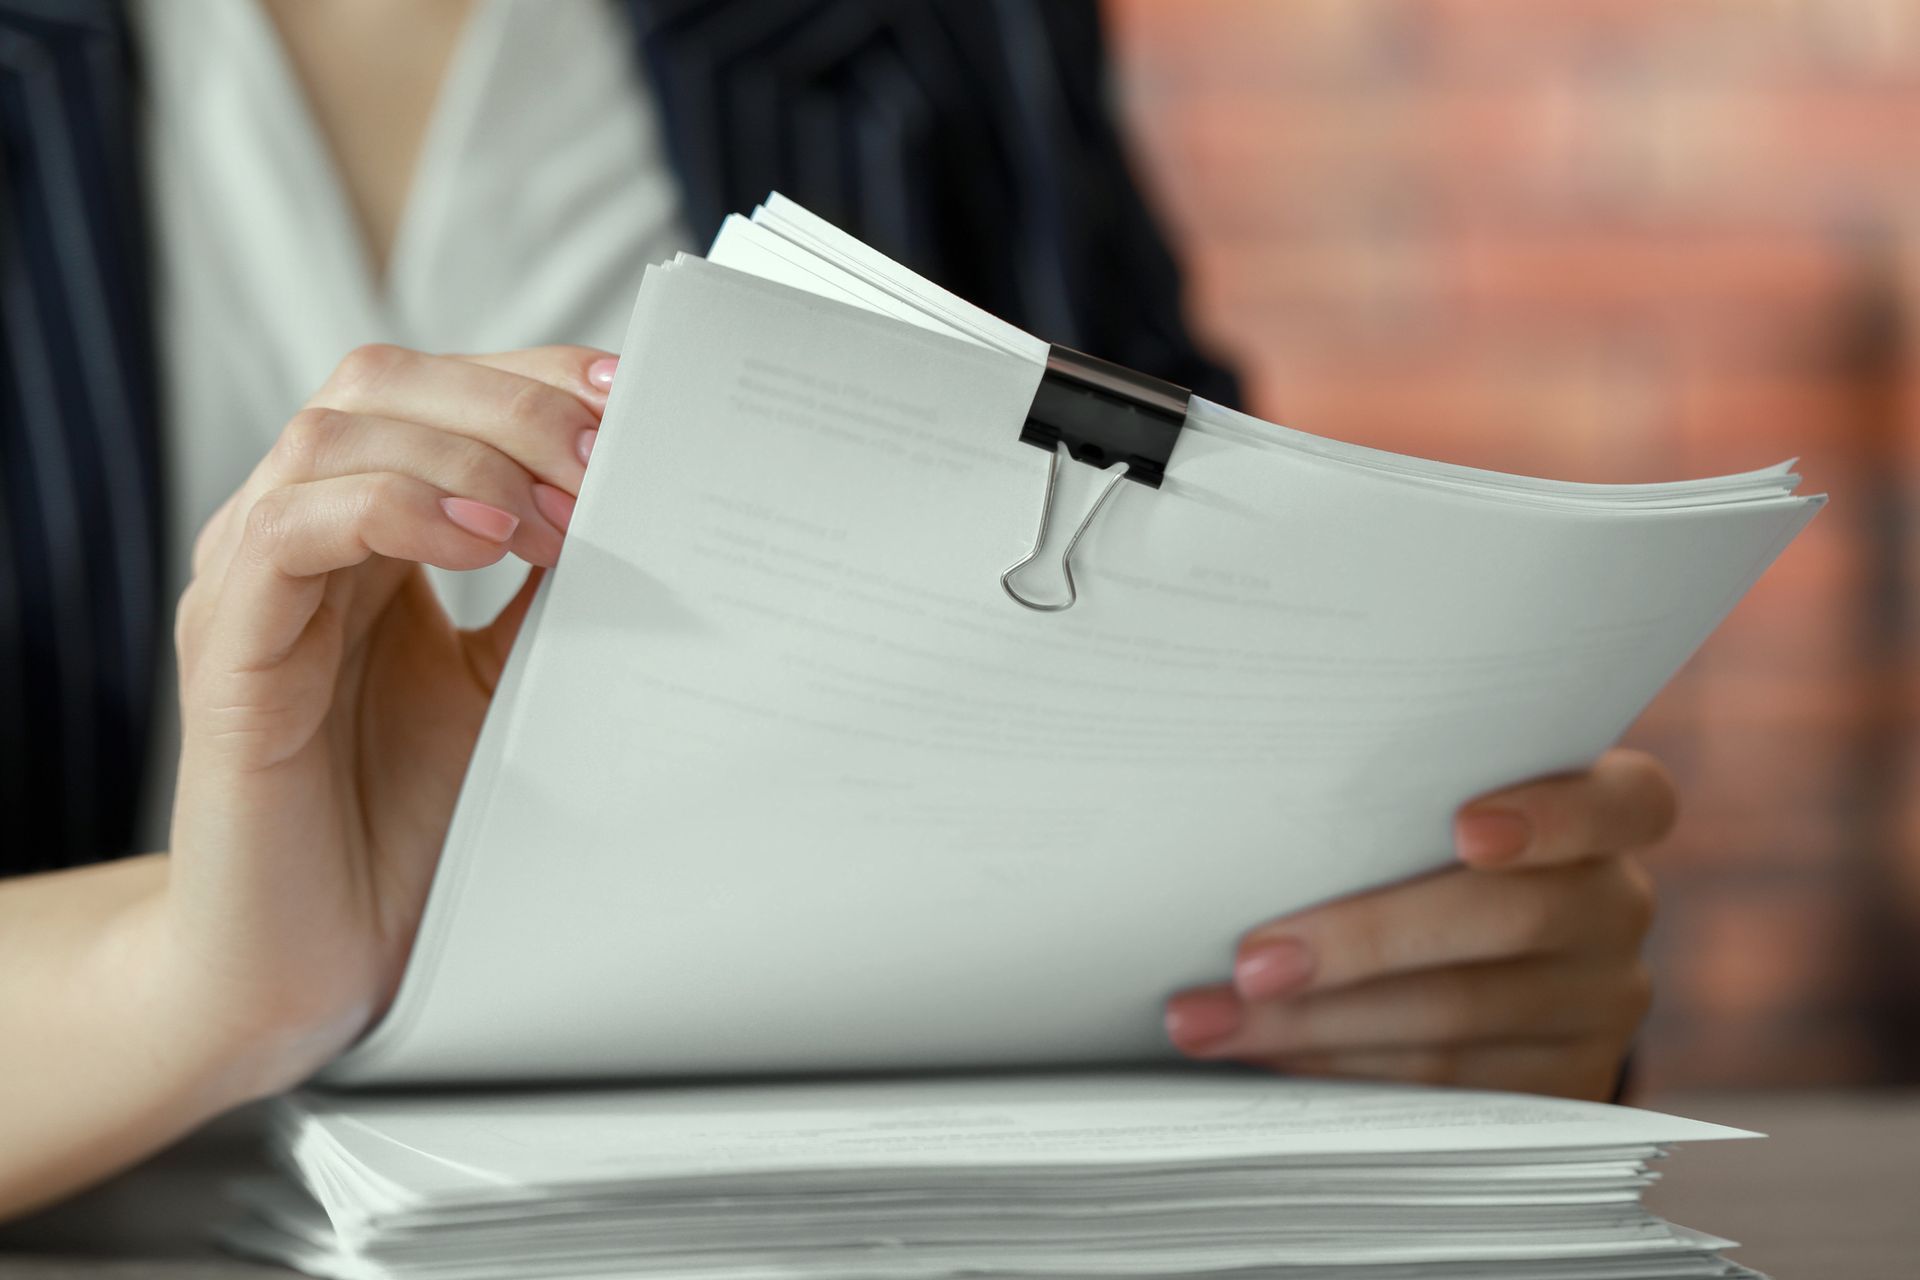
968 138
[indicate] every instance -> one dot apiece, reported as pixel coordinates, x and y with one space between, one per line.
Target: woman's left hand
1519 970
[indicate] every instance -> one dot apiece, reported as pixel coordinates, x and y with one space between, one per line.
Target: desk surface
1834 1193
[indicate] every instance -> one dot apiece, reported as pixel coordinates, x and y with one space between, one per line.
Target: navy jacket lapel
80 545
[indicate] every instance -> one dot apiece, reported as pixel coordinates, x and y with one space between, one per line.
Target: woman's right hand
329 705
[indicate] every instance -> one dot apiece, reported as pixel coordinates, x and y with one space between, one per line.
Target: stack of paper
780 780
1166 1174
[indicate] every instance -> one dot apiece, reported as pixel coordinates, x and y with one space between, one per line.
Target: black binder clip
1101 414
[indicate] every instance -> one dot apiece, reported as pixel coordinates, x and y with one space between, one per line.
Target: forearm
94 1071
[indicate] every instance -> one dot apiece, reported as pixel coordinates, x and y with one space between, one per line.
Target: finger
1450 918
320 444
1551 998
1625 801
297 535
559 367
545 428
489 646
1574 1069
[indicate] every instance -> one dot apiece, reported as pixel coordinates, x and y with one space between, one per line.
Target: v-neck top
540 193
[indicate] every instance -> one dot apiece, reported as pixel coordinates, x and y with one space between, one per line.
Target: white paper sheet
781 780
965 1123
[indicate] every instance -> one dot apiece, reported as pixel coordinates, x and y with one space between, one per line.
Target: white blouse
540 193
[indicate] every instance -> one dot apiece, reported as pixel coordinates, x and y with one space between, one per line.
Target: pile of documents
1122 1174
780 778
854 733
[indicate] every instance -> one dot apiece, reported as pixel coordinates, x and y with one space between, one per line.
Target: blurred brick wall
1621 240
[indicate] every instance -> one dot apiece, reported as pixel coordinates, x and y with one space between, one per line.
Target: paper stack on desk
792 771
1124 1174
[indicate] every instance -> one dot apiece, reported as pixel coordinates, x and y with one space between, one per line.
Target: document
828 851
1116 1173
780 779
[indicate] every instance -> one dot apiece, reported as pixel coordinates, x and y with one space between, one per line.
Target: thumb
488 646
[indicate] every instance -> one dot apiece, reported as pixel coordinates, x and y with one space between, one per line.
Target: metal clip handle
1040 539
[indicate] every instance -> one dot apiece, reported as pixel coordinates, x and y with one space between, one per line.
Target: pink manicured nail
584 444
1197 1019
555 504
1269 970
479 519
600 372
1490 837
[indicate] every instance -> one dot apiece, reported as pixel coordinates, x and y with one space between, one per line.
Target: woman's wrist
184 1064
210 1036
104 1063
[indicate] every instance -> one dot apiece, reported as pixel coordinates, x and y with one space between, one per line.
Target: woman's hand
329 705
328 709
1520 970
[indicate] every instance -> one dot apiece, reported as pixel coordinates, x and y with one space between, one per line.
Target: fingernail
1198 1019
1274 968
600 372
479 519
584 445
555 504
1490 837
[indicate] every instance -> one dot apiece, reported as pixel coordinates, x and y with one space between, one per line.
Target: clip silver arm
1040 538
